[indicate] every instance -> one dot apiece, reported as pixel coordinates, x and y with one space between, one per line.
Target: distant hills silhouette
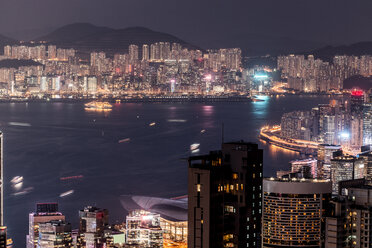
87 37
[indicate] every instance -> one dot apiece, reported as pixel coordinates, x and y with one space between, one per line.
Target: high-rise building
367 124
93 222
294 212
145 52
308 168
350 220
224 197
55 233
133 53
345 167
45 212
144 230
325 154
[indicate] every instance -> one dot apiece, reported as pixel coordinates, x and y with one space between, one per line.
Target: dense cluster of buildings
157 68
307 74
345 121
321 201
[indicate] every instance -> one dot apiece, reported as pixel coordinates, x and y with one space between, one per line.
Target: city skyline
185 124
318 23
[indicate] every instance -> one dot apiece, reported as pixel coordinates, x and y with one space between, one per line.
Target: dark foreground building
225 201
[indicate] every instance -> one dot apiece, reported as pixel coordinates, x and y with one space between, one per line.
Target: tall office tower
367 124
1 179
325 154
92 224
294 212
350 220
143 229
55 233
45 212
133 53
145 52
224 197
308 168
3 239
345 167
357 101
356 131
367 156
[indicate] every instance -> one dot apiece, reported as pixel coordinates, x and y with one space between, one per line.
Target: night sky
199 21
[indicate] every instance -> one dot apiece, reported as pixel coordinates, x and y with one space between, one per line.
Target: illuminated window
235 176
198 187
229 209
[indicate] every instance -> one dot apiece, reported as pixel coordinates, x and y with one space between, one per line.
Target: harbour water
76 157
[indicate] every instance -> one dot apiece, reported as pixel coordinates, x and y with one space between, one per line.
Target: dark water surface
62 140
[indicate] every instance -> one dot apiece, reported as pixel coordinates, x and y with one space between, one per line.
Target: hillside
357 49
87 38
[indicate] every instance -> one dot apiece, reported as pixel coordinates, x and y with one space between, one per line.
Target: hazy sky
326 21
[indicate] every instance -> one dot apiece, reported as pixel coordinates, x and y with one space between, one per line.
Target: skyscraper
92 225
55 233
345 167
350 220
45 212
325 154
133 53
294 212
145 52
367 124
224 192
143 229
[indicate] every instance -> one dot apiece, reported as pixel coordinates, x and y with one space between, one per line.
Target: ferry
17 179
67 193
194 147
95 105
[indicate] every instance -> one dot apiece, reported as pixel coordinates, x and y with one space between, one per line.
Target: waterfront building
45 212
93 222
55 233
296 125
225 201
308 168
345 167
294 212
144 230
173 214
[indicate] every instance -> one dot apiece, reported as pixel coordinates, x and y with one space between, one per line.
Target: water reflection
208 110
